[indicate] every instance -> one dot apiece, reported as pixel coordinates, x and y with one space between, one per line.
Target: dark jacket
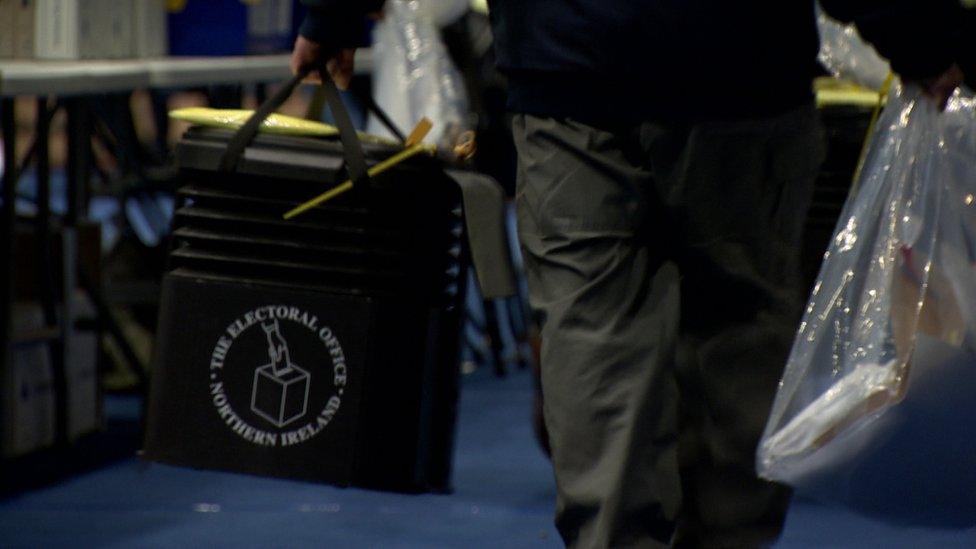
337 23
626 60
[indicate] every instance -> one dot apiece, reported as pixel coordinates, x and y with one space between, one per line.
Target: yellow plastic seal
232 119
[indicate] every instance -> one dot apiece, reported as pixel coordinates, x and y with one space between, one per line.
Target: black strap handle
352 147
364 96
380 114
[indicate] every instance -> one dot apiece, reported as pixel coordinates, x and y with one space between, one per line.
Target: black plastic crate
323 347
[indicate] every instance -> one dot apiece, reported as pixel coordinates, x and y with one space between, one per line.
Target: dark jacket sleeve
337 23
921 38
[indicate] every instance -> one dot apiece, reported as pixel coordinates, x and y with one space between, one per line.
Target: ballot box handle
352 148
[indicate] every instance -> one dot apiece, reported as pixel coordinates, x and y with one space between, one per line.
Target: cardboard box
7 28
53 26
119 42
149 37
65 29
27 390
24 23
95 21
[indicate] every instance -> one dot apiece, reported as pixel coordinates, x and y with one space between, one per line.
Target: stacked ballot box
323 347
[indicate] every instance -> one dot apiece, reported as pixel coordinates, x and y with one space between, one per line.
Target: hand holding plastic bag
891 319
847 56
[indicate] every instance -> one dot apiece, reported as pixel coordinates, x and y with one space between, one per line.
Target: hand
310 54
941 88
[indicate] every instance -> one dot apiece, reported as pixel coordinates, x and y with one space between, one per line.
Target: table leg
46 279
79 164
79 157
7 254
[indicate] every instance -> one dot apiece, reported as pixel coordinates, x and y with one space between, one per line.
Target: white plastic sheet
413 75
877 405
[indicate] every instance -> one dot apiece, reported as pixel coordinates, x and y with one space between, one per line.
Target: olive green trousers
663 265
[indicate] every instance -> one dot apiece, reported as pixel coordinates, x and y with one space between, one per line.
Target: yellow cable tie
346 186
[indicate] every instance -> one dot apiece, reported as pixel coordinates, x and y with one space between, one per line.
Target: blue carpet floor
503 498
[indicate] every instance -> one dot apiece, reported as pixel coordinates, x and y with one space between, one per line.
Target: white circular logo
276 376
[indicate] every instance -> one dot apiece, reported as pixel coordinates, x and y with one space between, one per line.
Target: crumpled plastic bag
413 75
846 55
877 404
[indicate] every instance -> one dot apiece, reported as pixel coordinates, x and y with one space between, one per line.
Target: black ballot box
323 347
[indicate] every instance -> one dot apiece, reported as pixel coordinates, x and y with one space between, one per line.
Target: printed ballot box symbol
280 398
280 393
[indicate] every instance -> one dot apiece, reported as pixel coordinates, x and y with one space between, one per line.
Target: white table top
64 78
70 77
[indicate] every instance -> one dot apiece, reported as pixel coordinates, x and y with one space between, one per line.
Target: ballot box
323 347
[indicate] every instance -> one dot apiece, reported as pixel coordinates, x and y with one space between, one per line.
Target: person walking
667 151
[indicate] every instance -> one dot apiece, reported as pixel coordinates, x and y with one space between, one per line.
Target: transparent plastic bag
888 341
846 55
413 75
